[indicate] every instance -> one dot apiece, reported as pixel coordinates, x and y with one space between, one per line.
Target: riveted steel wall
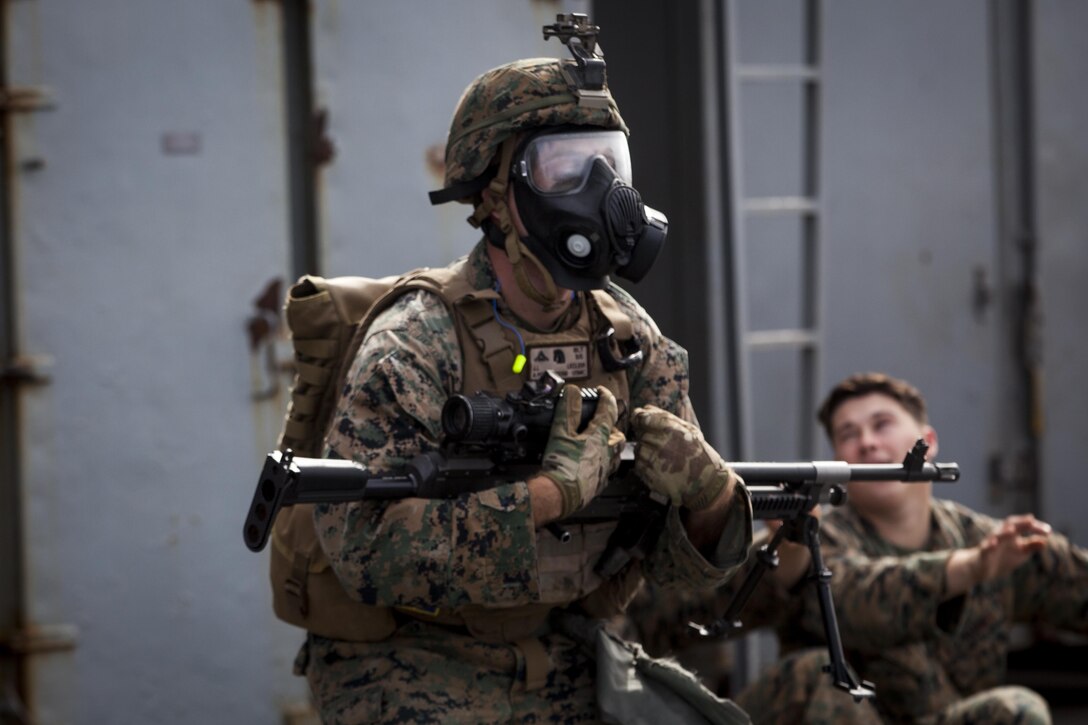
148 210
151 219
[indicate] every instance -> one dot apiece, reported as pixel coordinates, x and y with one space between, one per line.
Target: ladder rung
779 204
806 73
781 338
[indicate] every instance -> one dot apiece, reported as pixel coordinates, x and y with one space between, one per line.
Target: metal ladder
805 338
746 343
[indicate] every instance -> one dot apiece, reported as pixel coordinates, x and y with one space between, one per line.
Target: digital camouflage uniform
433 558
930 660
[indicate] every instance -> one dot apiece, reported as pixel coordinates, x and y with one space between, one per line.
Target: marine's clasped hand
674 459
580 461
671 458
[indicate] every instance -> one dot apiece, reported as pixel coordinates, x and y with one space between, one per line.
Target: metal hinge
25 99
26 370
38 639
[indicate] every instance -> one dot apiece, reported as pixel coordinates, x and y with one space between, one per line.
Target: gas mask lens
560 163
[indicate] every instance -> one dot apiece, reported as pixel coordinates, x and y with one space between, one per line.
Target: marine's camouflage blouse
478 548
923 652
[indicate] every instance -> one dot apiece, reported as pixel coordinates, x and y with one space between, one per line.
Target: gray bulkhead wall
148 211
1060 159
911 216
923 276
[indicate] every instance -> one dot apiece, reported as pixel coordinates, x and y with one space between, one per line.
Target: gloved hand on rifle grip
674 459
581 462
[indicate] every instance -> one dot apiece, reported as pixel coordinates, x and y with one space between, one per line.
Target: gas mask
584 219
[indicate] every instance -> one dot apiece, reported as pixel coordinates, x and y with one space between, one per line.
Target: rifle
491 440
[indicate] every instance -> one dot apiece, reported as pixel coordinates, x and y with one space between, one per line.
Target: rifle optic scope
517 418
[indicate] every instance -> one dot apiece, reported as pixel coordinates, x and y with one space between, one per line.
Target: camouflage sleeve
675 562
421 553
662 380
1052 587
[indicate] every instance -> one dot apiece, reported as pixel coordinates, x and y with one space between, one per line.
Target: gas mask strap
515 249
482 211
497 199
550 298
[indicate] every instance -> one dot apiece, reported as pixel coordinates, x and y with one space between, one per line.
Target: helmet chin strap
549 298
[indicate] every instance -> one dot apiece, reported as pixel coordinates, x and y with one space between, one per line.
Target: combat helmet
502 102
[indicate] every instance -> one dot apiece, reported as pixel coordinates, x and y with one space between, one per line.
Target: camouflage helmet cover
522 95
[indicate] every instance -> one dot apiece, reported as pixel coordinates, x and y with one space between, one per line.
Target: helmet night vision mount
575 31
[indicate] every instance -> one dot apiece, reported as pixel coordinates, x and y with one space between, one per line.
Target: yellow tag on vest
570 362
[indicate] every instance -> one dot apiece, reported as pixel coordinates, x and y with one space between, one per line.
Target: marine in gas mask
559 151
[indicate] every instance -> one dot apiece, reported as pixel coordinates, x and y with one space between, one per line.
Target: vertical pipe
1011 48
12 673
812 252
301 137
721 330
734 248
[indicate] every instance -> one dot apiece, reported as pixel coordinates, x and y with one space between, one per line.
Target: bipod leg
766 558
837 668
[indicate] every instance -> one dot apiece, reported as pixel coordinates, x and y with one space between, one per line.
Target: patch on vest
570 362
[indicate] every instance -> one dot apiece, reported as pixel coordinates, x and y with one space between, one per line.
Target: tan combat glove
672 458
580 463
